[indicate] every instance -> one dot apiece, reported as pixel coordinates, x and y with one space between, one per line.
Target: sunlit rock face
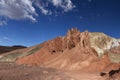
101 42
72 39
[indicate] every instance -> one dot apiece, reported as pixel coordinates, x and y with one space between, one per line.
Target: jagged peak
73 31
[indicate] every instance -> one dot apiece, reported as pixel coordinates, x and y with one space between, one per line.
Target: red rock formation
67 42
71 52
72 39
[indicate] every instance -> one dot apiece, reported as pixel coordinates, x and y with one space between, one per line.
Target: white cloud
42 6
45 11
17 9
25 9
66 5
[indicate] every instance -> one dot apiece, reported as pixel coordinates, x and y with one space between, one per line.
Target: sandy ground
80 75
11 71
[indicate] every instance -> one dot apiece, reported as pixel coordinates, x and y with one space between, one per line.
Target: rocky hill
91 51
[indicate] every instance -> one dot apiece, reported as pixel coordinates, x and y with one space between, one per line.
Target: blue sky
30 22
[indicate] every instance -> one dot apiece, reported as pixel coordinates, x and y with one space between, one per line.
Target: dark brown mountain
4 49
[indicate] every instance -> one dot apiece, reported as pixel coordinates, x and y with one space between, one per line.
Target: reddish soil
12 71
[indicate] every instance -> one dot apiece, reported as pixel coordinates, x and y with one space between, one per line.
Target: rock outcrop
74 51
73 38
101 42
70 52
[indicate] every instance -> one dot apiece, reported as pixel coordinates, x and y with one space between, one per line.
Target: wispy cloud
89 0
5 38
2 39
66 5
17 9
3 22
42 6
25 9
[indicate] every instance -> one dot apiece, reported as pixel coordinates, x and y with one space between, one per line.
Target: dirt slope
12 71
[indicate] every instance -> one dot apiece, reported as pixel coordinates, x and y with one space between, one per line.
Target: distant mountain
76 50
4 49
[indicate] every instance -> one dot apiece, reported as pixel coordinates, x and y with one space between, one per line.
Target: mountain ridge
74 51
4 49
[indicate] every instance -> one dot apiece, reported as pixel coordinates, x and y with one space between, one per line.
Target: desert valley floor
12 71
